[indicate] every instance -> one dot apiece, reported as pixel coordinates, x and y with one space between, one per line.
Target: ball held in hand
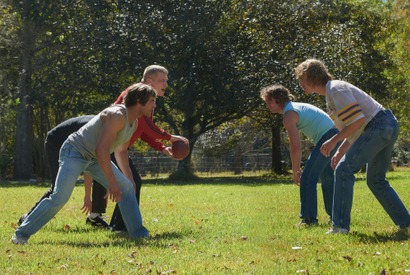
180 150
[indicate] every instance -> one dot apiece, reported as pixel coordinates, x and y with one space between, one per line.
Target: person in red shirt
157 77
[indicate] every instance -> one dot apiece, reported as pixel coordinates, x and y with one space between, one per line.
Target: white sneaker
337 230
17 240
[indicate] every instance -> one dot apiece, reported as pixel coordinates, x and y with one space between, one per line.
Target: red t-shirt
147 130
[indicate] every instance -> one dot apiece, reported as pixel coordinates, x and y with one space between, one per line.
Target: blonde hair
315 71
152 70
276 92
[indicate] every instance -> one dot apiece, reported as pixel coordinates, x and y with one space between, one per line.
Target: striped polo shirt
347 103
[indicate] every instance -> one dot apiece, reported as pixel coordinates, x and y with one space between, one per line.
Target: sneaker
404 229
97 222
306 223
402 233
22 218
17 240
337 230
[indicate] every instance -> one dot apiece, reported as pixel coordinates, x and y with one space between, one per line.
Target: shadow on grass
162 240
380 238
238 180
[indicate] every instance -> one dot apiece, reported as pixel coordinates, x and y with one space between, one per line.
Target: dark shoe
403 233
97 222
305 223
21 220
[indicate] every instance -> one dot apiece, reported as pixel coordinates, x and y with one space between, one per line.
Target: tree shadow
228 180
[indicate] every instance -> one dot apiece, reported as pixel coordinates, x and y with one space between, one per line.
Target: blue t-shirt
313 122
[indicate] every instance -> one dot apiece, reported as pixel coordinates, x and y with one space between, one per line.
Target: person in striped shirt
368 132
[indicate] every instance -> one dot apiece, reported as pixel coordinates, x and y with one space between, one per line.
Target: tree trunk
23 166
238 164
276 153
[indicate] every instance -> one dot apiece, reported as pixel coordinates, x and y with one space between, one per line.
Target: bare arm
113 122
121 156
329 145
289 121
340 153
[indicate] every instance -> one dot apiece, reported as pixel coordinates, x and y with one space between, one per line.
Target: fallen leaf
244 238
132 255
171 271
64 266
348 258
67 227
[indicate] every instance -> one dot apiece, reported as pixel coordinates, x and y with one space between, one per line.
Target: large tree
219 53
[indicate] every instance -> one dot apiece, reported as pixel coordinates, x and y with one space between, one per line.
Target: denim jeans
317 167
72 163
374 148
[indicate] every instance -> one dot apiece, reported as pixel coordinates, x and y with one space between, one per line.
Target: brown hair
315 71
276 92
138 93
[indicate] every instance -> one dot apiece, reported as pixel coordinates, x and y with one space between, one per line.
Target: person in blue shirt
319 127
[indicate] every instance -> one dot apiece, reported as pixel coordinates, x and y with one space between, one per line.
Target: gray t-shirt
86 138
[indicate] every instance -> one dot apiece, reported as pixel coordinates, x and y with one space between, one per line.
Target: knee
127 186
57 199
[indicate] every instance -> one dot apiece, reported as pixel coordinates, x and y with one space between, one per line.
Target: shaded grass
210 226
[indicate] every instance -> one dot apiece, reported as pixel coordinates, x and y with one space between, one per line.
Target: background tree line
62 59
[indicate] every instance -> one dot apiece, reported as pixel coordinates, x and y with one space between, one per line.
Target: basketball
180 150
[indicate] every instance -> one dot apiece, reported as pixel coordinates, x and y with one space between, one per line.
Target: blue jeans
317 167
374 148
72 163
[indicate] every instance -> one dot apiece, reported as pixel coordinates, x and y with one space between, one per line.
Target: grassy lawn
211 226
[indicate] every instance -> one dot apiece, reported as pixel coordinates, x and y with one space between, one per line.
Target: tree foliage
79 55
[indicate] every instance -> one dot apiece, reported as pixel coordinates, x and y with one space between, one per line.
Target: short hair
152 70
138 93
276 92
315 71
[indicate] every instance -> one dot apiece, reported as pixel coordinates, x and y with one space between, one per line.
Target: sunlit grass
212 226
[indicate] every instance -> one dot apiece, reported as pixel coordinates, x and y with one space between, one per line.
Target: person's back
313 122
60 133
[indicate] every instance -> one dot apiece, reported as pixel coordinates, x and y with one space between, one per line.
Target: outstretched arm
289 121
113 122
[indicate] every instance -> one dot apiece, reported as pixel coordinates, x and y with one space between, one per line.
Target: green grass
212 226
